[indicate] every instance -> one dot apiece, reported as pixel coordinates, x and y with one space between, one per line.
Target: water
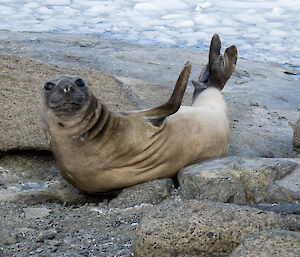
263 30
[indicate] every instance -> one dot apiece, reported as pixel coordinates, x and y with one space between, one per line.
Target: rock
32 177
282 208
152 192
20 86
9 240
36 212
241 180
47 234
291 183
272 243
297 136
292 222
190 227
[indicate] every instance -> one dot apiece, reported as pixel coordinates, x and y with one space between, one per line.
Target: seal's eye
80 82
49 86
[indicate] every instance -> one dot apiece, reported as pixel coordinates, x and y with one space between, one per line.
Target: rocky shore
246 204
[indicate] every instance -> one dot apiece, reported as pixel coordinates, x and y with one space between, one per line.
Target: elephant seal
98 150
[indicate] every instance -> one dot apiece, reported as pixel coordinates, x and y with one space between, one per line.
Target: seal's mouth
66 107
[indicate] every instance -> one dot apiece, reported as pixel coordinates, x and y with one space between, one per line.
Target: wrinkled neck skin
99 150
69 136
76 127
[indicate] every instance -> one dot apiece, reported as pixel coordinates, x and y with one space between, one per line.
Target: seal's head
66 95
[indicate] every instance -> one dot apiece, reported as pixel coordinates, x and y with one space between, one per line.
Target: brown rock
21 80
265 244
190 227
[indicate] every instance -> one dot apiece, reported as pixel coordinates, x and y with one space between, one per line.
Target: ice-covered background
263 30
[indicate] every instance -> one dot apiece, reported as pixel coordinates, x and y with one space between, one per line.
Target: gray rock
272 243
36 212
241 180
282 208
33 178
152 192
9 240
297 136
190 227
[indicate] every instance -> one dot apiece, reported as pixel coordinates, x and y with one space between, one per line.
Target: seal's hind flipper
204 75
220 67
157 115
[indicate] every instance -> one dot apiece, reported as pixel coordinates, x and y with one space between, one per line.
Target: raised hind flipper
219 67
157 115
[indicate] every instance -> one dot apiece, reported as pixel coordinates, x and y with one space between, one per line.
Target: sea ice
263 30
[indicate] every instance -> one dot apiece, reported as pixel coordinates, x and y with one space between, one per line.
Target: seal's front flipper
157 115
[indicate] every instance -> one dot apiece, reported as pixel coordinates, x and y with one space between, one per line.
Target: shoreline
293 68
33 44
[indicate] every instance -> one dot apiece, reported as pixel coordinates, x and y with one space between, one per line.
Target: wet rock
242 180
152 192
297 136
190 227
35 212
272 243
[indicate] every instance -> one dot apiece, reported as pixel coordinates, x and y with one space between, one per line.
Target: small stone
36 212
9 240
152 192
47 234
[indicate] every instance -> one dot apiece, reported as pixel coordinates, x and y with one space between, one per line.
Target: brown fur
98 150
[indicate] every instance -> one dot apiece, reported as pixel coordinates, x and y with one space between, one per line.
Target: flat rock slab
273 243
193 228
242 180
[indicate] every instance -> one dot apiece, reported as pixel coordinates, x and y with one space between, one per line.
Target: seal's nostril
67 88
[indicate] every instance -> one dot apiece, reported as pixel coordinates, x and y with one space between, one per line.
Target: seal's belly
189 136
